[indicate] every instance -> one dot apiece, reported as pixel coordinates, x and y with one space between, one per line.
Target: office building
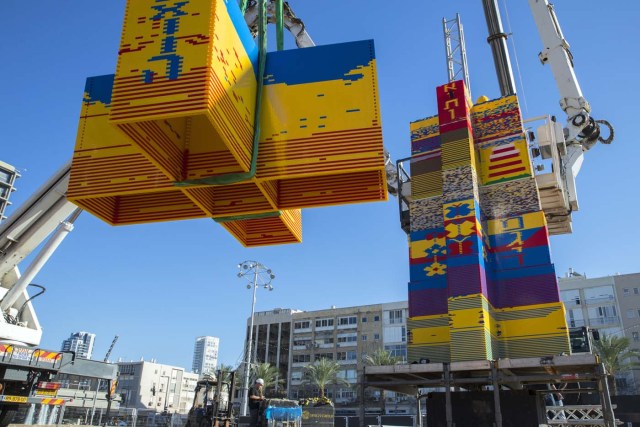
205 355
81 343
298 338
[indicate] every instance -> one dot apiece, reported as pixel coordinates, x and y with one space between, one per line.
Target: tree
225 372
616 356
381 357
322 373
269 373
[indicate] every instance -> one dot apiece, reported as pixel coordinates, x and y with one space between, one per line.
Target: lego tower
482 282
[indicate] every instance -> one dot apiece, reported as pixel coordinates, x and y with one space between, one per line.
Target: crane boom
581 128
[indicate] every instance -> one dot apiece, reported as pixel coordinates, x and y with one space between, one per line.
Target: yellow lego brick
142 208
425 185
283 228
185 87
331 189
325 125
506 161
105 163
229 200
111 178
520 222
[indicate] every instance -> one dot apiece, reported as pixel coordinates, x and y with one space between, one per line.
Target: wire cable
515 56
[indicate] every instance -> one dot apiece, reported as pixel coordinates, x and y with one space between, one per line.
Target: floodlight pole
261 276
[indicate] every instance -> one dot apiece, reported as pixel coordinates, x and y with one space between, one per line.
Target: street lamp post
257 275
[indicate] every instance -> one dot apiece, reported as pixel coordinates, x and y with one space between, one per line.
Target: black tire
7 412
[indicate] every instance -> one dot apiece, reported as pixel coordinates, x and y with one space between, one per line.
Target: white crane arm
581 128
34 221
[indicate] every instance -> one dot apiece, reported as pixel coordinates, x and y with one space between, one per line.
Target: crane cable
515 56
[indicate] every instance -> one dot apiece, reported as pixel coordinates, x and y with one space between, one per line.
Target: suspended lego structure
171 135
482 282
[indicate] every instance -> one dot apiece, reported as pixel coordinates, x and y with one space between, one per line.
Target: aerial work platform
503 374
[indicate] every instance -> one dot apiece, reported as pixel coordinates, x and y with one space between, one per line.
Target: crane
113 343
564 146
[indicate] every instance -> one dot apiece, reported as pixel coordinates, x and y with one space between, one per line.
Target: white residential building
608 305
154 386
81 343
205 354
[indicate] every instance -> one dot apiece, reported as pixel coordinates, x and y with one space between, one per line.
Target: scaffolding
504 374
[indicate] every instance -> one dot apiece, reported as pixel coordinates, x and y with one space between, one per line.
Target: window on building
395 316
364 319
346 355
301 358
376 337
324 323
636 291
349 320
635 336
325 340
364 337
324 356
404 334
348 374
296 376
626 291
304 324
397 350
347 338
376 318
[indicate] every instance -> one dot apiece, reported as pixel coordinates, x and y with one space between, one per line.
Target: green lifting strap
274 214
280 24
243 6
233 178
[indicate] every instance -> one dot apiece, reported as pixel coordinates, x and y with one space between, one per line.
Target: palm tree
381 357
225 372
616 356
269 373
322 373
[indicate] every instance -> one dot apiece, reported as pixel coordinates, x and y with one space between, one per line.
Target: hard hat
260 381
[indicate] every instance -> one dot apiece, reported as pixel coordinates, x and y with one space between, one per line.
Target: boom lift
563 148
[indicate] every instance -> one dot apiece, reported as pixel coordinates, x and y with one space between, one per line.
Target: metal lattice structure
456 51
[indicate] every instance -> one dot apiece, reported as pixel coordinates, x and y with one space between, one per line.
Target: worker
256 396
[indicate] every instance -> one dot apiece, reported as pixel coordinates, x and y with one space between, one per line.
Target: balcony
599 300
598 321
324 328
318 345
302 330
347 362
348 326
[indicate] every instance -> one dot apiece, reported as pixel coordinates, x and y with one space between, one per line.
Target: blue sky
159 286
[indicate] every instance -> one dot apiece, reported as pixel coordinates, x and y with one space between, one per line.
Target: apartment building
153 386
81 343
205 354
345 335
610 304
